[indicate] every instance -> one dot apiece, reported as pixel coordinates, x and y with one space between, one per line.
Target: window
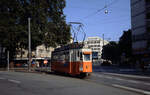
148 15
148 23
86 57
148 29
147 1
40 50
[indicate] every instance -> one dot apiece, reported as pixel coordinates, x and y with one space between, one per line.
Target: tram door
74 61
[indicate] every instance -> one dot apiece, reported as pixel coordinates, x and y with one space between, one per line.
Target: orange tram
73 59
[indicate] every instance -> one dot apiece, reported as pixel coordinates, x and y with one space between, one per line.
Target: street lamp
29 45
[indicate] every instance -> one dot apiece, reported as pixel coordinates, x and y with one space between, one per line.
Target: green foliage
113 51
48 24
125 43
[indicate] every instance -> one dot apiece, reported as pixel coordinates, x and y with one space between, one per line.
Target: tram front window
86 57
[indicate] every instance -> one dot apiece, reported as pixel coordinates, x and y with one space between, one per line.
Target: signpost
29 44
8 60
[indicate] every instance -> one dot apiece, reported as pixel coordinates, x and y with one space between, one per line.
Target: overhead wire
99 10
90 15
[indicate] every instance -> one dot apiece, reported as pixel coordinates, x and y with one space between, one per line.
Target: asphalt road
19 83
127 78
140 84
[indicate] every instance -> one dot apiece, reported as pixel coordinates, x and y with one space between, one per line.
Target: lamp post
29 45
8 60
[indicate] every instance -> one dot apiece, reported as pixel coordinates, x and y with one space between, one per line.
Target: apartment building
96 44
140 20
40 53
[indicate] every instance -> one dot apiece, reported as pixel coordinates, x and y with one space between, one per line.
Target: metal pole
8 60
29 44
103 39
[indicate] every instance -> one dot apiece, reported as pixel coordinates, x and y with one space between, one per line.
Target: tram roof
70 46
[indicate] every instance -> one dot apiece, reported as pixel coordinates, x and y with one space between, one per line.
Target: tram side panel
60 62
74 62
80 61
87 61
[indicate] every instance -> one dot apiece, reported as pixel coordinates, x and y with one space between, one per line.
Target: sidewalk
25 69
131 71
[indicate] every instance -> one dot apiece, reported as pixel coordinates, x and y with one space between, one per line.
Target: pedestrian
33 63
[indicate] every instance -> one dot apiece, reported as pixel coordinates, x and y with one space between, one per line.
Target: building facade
96 44
140 20
43 52
40 53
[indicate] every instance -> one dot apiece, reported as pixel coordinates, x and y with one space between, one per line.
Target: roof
70 46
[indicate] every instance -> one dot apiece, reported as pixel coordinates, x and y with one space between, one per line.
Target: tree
122 50
111 52
125 43
48 24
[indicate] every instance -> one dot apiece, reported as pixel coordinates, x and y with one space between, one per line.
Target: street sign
45 61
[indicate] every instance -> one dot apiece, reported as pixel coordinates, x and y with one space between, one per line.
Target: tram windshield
86 57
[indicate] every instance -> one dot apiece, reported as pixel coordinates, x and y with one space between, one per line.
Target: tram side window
72 57
61 57
86 57
78 54
67 58
54 58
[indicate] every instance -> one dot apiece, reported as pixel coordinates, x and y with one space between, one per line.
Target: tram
74 59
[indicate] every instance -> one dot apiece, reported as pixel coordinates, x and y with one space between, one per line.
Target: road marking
132 89
132 76
133 81
14 81
108 77
145 83
99 75
2 78
119 79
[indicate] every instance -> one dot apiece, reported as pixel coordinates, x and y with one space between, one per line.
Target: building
96 44
40 54
43 52
140 20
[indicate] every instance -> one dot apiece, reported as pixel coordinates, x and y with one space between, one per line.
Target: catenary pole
8 60
29 44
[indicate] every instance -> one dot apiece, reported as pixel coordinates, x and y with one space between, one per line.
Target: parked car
106 63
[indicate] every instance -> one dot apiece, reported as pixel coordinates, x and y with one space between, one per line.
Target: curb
132 89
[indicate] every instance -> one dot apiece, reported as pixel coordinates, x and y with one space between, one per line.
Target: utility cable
99 10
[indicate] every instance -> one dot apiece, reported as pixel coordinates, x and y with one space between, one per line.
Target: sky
96 23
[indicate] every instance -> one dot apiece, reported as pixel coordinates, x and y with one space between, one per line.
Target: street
19 83
75 47
129 82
